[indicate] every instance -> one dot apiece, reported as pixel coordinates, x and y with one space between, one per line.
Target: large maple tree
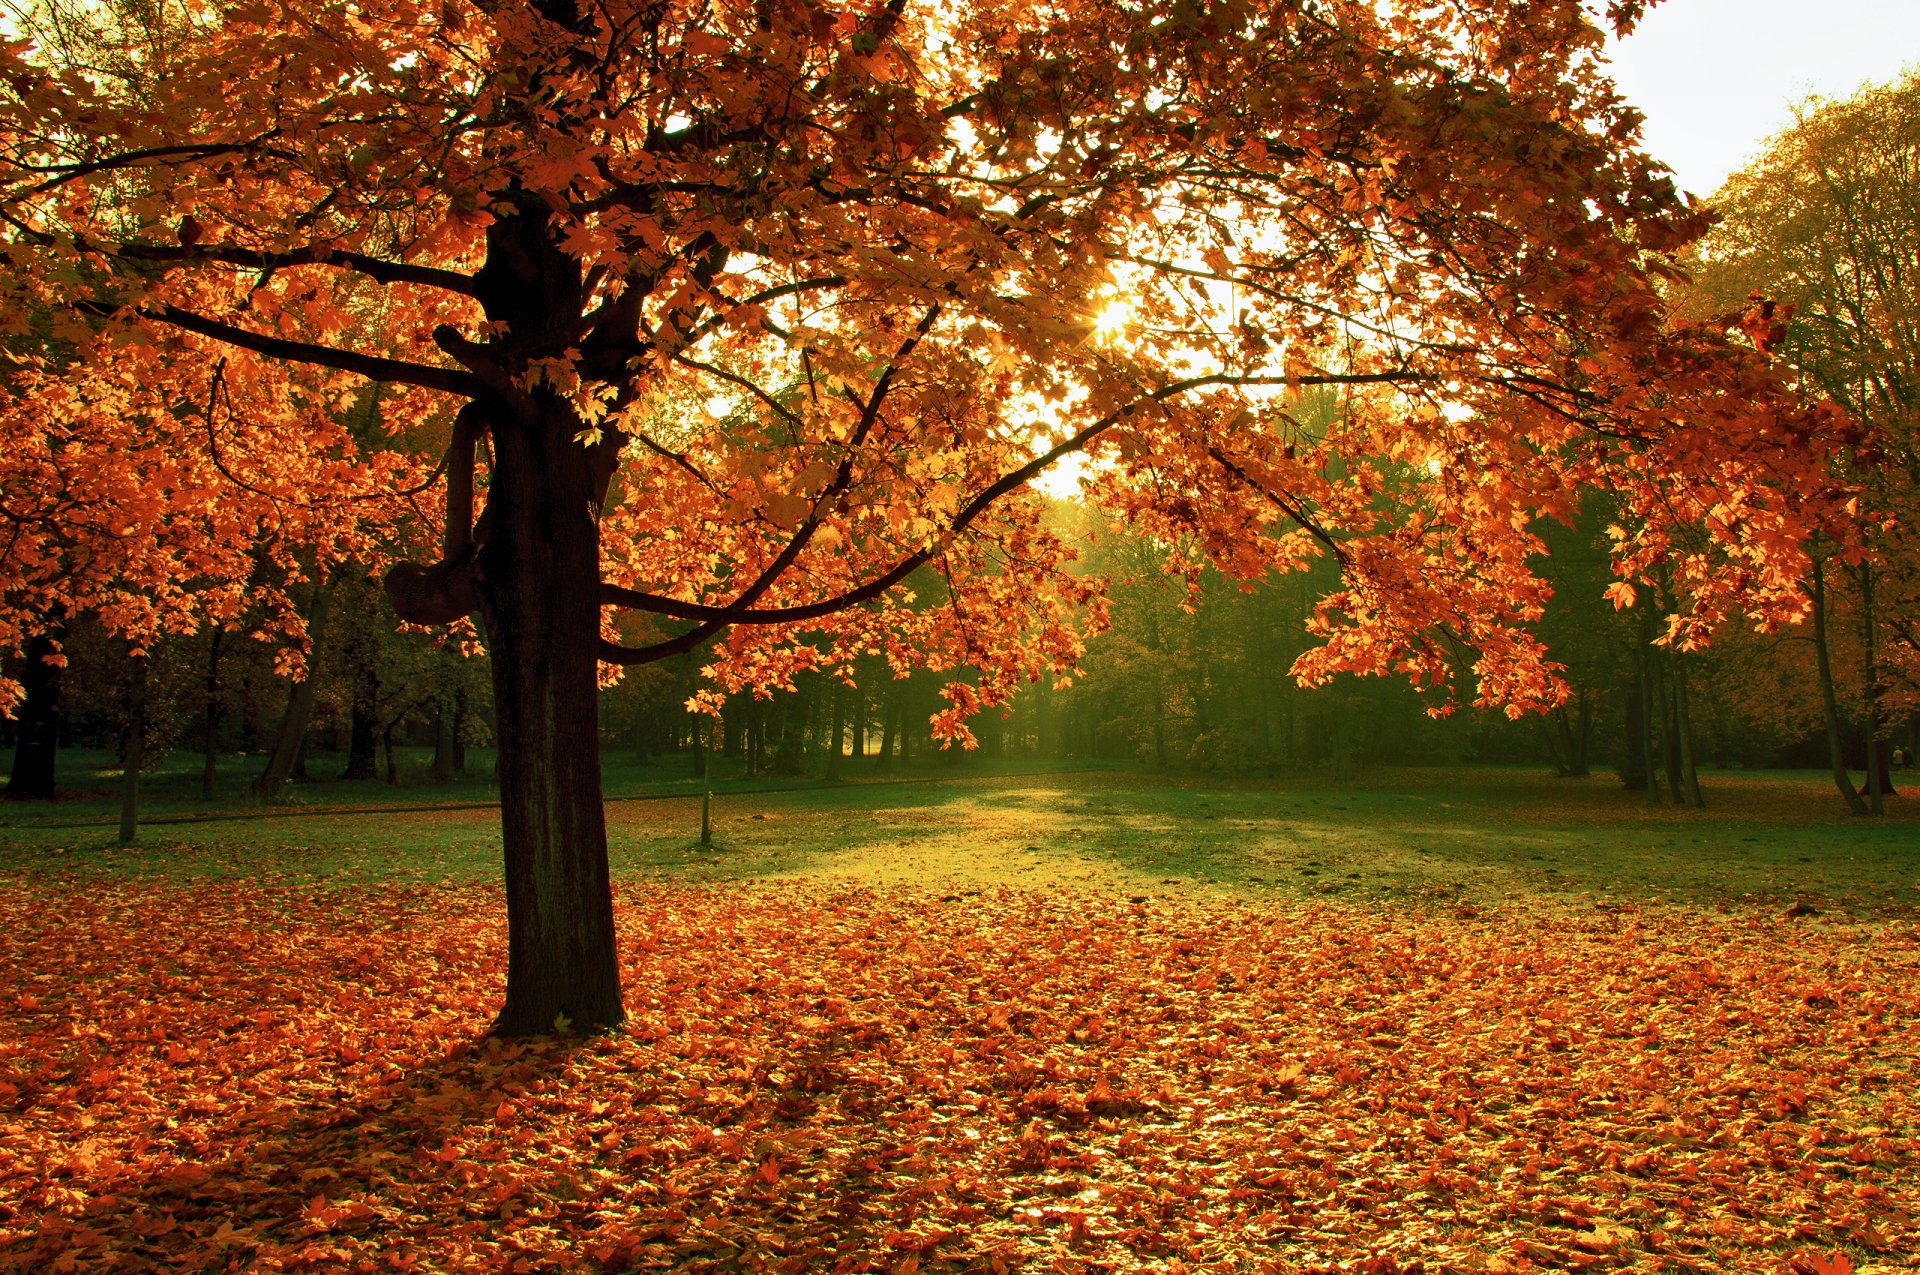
739 314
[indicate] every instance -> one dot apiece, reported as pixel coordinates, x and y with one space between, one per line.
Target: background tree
1824 225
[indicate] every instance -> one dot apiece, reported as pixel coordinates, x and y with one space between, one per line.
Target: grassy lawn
1431 1020
1475 836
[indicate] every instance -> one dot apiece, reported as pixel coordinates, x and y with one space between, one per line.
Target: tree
1824 226
753 310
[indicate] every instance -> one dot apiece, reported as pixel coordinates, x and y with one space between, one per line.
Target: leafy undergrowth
267 1077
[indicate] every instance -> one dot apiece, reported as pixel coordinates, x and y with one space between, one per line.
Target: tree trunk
1828 701
443 736
1633 772
293 723
1648 717
1582 736
210 760
889 719
1877 784
37 745
837 730
459 745
361 735
134 753
1683 728
539 577
386 743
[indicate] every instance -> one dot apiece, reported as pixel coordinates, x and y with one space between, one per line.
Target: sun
1113 319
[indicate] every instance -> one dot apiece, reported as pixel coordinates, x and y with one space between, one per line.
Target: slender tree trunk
539 572
386 743
134 753
1633 774
362 733
836 730
36 746
292 734
459 746
210 760
1558 736
1683 728
1648 717
1828 701
443 737
889 717
1582 739
1876 762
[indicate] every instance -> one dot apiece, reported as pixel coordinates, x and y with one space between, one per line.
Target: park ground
1076 1020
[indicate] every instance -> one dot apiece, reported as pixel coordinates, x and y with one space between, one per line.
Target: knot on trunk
437 594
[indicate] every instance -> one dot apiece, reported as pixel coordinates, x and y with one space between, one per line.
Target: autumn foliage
284 1076
728 319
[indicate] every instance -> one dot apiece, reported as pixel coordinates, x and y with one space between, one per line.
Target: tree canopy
737 315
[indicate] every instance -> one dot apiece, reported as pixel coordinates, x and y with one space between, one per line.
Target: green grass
1460 837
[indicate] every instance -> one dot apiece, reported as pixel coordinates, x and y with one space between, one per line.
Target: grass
1474 1021
1474 837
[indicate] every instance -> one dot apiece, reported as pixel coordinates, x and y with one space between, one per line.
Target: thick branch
379 269
741 611
372 366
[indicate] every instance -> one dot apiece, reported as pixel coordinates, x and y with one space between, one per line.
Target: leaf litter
234 1075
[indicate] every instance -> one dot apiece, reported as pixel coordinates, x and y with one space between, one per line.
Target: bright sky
1716 78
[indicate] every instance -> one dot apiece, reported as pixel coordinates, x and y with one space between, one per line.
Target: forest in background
1193 677
1195 673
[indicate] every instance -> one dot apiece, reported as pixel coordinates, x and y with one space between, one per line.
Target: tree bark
539 580
37 745
293 723
1828 701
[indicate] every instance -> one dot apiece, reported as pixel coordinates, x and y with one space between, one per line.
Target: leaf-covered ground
228 1074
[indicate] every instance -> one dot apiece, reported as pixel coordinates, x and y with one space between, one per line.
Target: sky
1716 78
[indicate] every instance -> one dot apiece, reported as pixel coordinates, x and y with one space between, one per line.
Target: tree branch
372 366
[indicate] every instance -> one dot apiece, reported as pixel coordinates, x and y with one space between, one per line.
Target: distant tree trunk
361 735
386 743
1828 701
889 718
291 737
210 762
1558 735
1877 779
459 738
444 734
859 723
37 743
1633 754
1582 734
836 730
1648 719
1683 730
133 752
